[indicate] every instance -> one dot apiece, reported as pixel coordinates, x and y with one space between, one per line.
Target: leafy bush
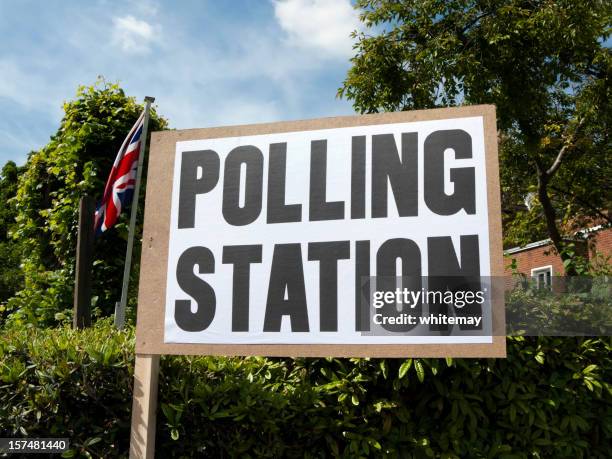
11 277
584 307
63 382
76 161
550 398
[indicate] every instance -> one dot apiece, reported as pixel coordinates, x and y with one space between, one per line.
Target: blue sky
208 62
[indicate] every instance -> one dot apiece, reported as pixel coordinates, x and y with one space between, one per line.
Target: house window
542 276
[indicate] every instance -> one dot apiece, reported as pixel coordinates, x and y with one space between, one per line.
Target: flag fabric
119 188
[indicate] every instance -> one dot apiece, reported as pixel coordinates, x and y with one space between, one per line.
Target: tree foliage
546 67
11 278
76 161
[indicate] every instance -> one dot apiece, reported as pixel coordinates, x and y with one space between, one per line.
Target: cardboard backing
154 258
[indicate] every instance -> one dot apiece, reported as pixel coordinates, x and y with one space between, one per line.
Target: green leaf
59 316
404 367
168 411
420 371
92 441
589 369
383 368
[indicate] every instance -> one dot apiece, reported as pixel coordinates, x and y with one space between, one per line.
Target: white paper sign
273 237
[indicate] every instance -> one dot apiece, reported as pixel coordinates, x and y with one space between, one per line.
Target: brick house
539 260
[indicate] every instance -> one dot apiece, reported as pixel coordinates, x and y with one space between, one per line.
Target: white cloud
133 35
318 25
231 70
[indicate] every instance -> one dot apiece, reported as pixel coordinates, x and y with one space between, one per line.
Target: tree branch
475 20
583 202
568 144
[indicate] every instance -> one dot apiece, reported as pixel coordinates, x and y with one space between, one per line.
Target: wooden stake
144 406
84 257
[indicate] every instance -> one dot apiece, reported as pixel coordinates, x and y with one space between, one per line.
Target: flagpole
121 305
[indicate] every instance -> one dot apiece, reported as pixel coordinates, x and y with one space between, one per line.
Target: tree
546 67
11 278
76 161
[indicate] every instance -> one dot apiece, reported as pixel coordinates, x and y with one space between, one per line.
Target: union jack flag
119 188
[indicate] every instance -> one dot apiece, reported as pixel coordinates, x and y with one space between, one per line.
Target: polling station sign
368 235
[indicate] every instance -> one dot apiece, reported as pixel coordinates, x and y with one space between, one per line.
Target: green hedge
550 398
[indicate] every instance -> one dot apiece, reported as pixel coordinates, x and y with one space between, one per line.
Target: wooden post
84 257
144 406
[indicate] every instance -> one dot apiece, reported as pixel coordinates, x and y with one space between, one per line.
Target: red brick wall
545 255
601 242
537 257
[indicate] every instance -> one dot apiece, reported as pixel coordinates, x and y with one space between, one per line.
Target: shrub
584 308
68 383
11 277
550 398
76 161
